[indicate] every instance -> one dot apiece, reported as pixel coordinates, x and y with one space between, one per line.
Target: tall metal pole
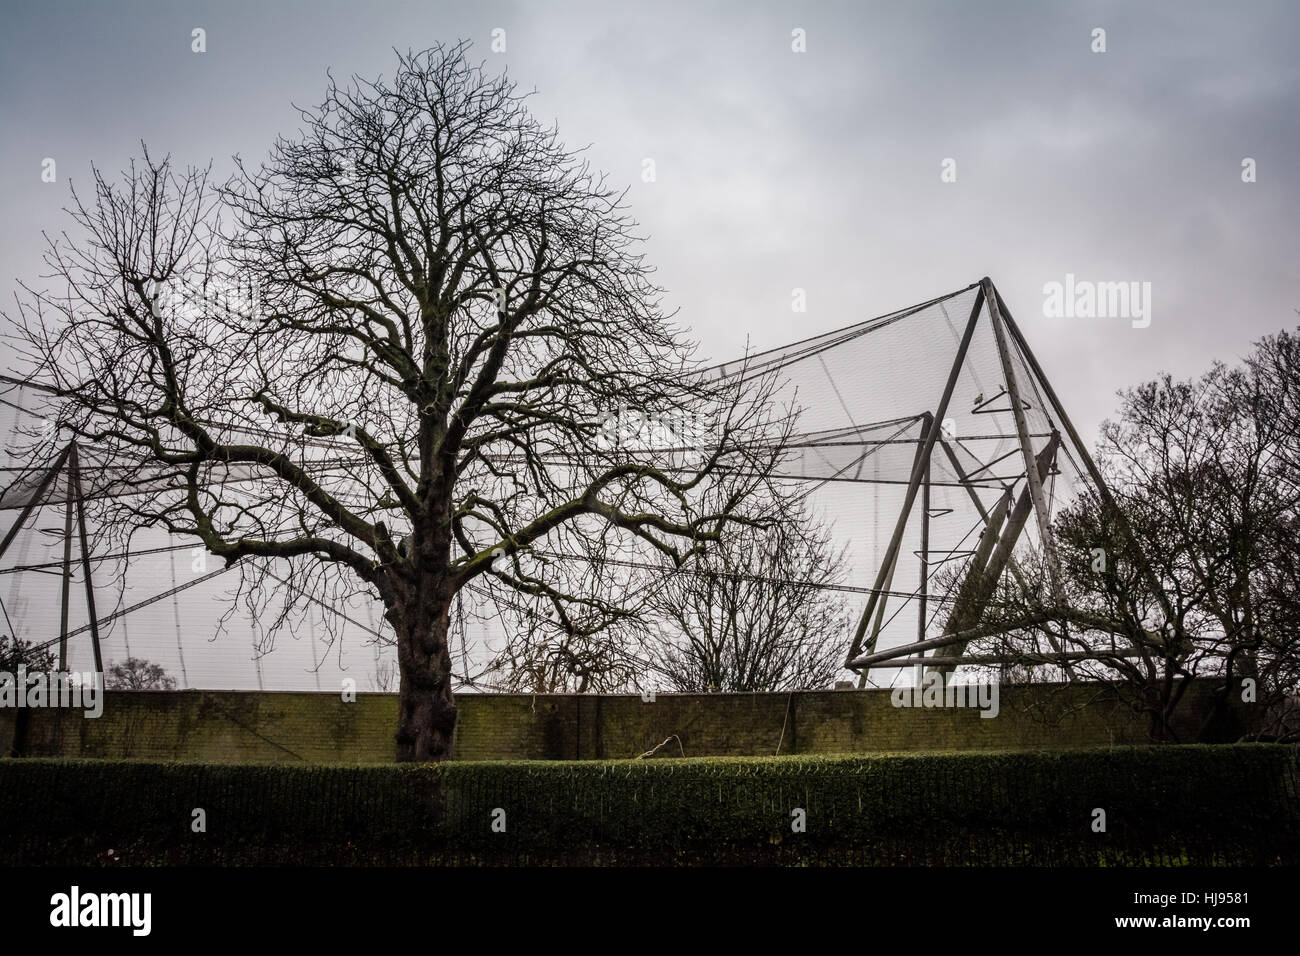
925 545
67 581
882 597
176 616
74 468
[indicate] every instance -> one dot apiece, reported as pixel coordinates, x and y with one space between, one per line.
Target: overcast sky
774 169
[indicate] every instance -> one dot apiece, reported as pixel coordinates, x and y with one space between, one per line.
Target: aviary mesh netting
864 396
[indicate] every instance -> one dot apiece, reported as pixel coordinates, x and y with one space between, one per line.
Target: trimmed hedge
1235 804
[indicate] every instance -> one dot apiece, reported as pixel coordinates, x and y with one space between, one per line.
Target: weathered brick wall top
291 727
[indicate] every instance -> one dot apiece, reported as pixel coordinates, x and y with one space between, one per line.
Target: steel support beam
914 482
67 580
881 598
1089 465
931 643
74 468
982 580
1013 565
969 590
925 543
36 499
1062 659
1026 448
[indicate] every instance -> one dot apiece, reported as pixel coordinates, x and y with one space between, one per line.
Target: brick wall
291 727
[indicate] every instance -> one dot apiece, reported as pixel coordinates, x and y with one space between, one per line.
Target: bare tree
1196 573
758 612
136 673
446 299
597 647
543 656
15 652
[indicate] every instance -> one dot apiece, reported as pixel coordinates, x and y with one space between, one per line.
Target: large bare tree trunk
426 716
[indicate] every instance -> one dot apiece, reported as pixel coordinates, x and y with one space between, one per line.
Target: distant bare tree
594 649
136 673
755 613
444 301
543 656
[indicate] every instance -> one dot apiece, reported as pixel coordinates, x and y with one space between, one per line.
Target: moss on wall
284 727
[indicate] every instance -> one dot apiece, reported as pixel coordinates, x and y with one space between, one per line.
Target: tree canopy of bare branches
755 613
377 362
1196 573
